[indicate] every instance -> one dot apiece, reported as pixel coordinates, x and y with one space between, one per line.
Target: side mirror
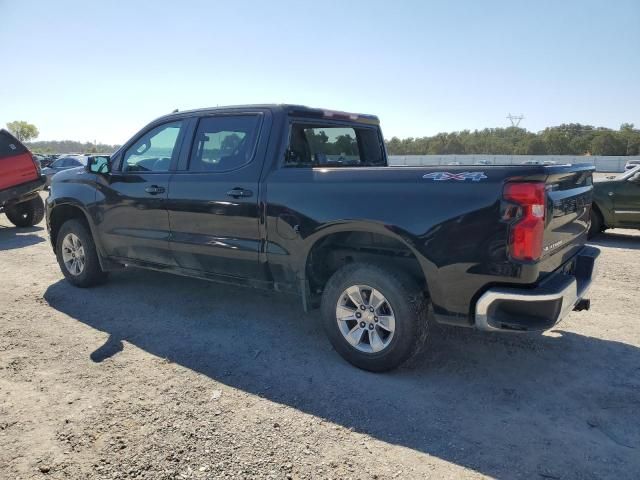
635 178
98 164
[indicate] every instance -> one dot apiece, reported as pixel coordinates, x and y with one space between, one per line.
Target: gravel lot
156 376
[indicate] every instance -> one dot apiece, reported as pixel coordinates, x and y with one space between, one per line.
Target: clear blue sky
101 70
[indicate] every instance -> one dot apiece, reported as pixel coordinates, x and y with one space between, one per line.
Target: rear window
333 146
9 146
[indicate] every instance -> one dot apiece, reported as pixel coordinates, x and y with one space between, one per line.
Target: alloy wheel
365 318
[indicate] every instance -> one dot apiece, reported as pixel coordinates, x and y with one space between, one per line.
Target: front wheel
375 317
26 214
77 255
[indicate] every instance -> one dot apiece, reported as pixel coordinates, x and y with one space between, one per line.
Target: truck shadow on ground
561 406
629 241
14 237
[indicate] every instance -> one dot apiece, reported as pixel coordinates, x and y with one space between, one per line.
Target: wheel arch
336 245
60 212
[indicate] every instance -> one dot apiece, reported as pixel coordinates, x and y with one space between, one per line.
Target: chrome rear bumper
541 307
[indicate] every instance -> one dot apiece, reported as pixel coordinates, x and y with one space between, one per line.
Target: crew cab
20 182
302 201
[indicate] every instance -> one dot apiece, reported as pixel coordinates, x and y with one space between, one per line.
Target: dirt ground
159 377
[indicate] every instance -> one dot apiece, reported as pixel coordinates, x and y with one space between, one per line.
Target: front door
133 219
627 204
213 198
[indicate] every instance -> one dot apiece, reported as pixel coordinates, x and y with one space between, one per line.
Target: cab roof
289 109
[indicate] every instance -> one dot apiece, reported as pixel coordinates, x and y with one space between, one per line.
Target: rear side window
9 146
224 143
333 146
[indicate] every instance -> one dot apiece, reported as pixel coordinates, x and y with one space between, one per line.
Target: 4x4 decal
461 177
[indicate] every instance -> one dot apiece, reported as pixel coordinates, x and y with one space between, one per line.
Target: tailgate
569 192
16 163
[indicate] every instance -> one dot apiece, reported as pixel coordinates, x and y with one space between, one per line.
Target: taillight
527 229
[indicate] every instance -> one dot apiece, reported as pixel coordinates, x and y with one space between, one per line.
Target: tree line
25 132
566 139
70 146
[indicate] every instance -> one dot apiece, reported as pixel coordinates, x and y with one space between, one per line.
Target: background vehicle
631 164
63 163
616 202
20 182
260 196
43 160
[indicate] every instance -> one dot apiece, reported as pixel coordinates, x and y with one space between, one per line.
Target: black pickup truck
302 200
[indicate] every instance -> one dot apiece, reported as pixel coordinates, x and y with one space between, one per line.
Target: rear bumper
22 192
541 307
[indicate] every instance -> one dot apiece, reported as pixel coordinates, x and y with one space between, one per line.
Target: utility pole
515 119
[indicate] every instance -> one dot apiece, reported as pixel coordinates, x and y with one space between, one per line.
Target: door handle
154 189
239 192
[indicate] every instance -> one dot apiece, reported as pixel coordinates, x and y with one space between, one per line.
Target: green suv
616 202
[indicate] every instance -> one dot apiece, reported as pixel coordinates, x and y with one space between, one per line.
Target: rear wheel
77 255
375 317
26 214
597 224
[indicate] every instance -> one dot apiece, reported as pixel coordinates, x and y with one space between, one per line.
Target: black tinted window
9 147
224 143
332 146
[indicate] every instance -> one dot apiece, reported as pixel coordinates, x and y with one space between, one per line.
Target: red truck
20 183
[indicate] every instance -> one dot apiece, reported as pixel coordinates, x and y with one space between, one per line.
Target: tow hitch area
583 304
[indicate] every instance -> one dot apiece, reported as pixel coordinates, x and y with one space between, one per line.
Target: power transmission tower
515 119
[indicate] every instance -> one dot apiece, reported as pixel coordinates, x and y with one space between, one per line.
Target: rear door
213 197
16 163
134 222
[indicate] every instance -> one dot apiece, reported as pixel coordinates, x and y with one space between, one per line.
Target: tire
74 242
26 214
597 224
404 299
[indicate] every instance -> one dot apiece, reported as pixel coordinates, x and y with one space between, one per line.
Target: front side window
331 146
154 151
224 143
